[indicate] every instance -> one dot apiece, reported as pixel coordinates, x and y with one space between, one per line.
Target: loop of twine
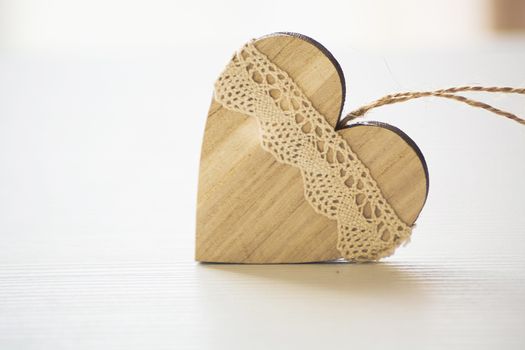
449 93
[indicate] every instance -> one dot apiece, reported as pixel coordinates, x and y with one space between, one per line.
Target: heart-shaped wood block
252 208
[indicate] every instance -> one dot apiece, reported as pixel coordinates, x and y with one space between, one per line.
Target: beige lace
336 183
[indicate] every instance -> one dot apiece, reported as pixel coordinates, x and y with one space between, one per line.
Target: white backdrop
378 24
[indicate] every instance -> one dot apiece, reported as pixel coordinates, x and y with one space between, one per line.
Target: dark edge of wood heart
338 127
405 138
328 55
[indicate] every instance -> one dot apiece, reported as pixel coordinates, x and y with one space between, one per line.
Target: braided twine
449 93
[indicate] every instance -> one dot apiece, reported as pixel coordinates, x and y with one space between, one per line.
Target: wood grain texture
251 208
398 167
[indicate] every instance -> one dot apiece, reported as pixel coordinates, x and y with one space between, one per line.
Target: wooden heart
252 208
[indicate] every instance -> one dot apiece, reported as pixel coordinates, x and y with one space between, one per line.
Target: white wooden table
98 167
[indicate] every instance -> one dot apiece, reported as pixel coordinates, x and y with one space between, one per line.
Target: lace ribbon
336 183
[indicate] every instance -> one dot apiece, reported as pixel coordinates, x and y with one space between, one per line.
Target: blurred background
102 111
375 24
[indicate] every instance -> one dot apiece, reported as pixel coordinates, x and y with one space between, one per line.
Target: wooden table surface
99 161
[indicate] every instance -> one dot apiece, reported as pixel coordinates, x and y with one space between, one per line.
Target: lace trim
336 183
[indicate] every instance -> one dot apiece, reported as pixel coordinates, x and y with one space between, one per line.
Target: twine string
450 93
